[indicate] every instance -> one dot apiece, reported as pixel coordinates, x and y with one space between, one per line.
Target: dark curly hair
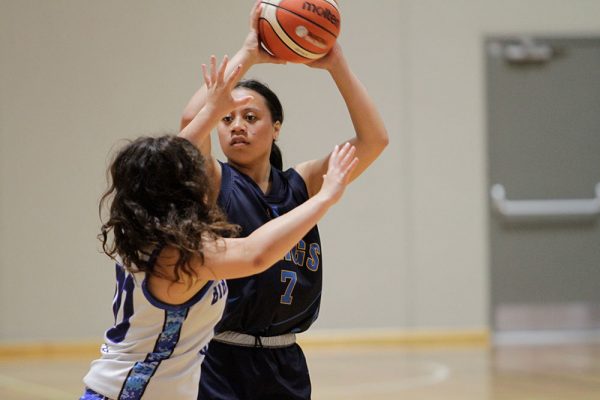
160 195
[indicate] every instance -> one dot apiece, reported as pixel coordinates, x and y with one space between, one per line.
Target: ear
276 129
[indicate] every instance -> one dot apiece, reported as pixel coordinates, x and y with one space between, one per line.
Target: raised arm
249 54
370 133
218 101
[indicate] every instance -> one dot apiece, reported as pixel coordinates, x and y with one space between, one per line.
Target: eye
251 117
227 119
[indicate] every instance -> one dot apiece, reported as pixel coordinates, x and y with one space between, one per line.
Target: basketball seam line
284 43
301 16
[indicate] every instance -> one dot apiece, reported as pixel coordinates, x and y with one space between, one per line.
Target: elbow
376 141
259 263
384 139
263 258
250 255
186 118
379 143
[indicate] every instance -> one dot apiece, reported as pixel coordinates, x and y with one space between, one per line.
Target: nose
238 125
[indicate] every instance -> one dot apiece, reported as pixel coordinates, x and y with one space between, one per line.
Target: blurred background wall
407 248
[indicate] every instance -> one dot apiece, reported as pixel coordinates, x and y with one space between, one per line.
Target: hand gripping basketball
299 31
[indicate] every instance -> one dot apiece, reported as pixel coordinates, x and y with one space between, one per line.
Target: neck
259 172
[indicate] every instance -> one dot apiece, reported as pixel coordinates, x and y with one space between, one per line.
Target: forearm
198 100
269 243
199 128
368 124
272 241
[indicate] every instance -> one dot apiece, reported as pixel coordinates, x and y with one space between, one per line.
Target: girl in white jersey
174 248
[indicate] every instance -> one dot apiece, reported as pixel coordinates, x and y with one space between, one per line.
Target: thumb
242 101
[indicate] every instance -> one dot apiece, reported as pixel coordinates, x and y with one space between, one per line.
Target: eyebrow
254 109
247 109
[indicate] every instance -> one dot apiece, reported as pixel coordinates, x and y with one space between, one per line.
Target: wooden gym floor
383 372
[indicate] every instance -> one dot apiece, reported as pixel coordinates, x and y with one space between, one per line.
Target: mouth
238 141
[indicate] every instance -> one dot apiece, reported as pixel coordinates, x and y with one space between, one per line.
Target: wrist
246 57
210 113
337 67
323 200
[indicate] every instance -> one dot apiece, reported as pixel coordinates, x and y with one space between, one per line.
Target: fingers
343 159
255 14
335 152
217 75
351 167
345 149
233 76
343 154
242 101
213 69
348 154
205 76
348 161
222 67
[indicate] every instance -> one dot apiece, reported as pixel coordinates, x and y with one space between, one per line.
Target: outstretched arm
371 136
218 101
240 257
269 243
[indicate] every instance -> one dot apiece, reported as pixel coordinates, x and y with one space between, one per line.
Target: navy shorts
232 372
91 395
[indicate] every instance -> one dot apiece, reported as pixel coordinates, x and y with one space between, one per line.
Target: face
247 133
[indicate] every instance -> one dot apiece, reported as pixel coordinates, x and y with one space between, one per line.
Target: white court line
41 392
437 374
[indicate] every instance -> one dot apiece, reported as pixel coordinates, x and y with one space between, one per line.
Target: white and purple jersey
155 350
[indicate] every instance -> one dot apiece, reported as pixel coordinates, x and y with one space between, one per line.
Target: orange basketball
299 31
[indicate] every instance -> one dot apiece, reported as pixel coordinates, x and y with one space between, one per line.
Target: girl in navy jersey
173 249
254 354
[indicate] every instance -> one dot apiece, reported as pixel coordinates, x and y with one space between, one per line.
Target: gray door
543 108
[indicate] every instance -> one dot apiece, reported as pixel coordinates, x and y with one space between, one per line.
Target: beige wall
407 247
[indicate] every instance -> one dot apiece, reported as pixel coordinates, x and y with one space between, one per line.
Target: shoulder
226 182
230 176
295 181
312 172
235 187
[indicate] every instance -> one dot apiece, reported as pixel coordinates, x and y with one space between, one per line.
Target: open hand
219 87
341 164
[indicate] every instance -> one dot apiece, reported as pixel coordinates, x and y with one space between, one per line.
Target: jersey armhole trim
226 184
298 187
174 307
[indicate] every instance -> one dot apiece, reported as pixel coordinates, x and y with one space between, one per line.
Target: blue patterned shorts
91 395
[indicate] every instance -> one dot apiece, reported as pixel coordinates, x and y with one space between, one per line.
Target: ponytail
275 158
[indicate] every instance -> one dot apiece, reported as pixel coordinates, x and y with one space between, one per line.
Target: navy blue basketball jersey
286 297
